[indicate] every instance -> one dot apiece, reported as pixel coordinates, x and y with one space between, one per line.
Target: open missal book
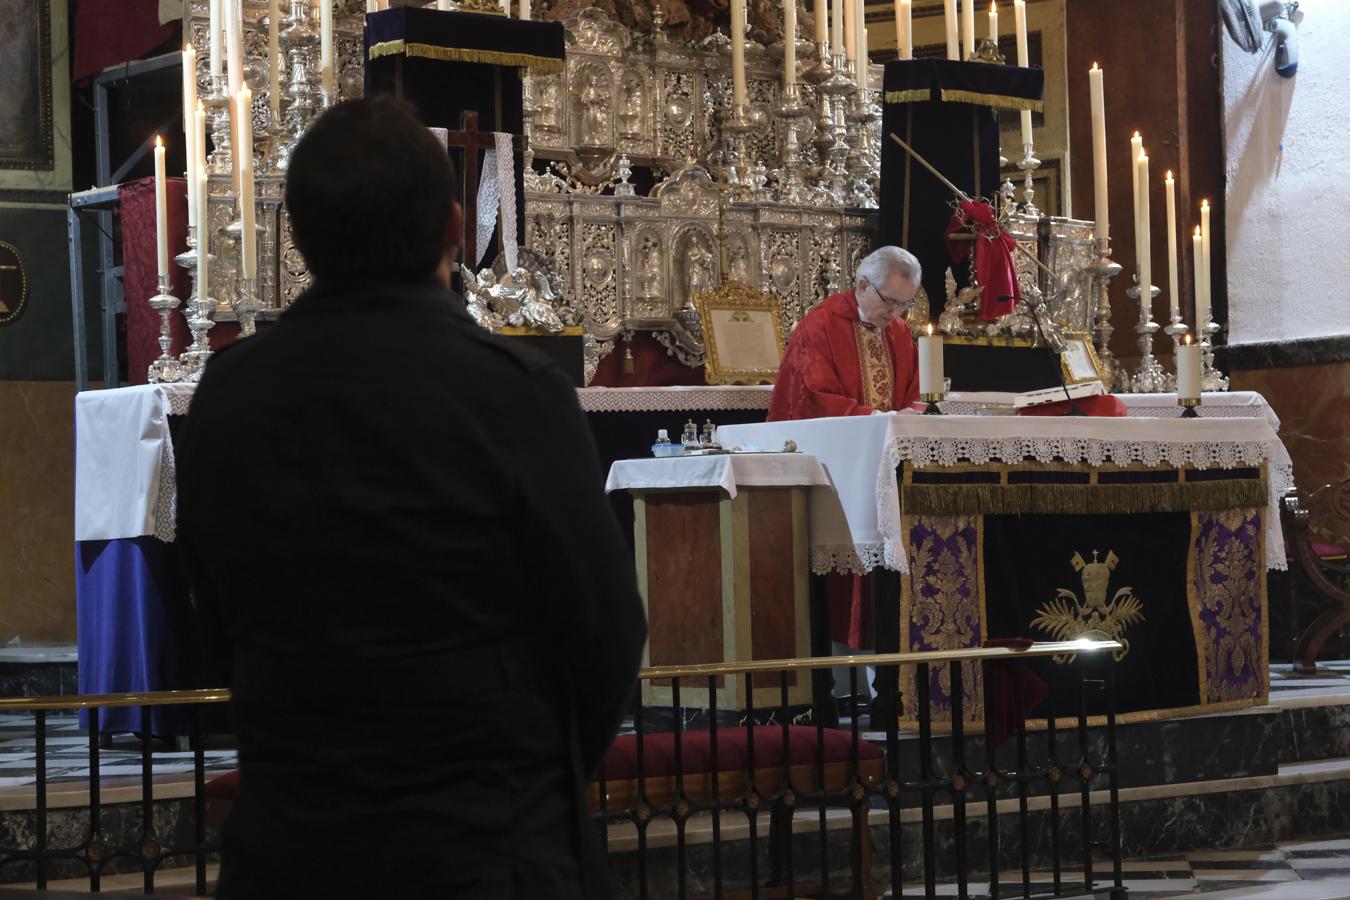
1057 394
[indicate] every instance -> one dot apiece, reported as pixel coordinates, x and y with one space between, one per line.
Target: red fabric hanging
108 32
994 249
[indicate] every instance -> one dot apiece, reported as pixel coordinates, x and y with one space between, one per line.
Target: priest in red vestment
853 354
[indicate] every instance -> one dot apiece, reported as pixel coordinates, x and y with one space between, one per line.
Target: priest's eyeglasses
900 306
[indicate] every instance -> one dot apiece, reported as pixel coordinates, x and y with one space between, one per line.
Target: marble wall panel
1312 403
37 507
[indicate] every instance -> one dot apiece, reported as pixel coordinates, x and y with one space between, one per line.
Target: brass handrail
1041 648
134 698
222 695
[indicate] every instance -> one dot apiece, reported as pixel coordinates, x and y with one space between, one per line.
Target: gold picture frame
742 334
1078 360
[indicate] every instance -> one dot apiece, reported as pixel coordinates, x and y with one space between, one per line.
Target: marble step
1315 728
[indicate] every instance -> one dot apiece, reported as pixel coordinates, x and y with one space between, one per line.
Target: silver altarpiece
780 196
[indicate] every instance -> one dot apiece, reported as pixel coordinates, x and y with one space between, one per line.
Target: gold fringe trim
542 64
1064 724
913 95
968 341
1079 499
996 100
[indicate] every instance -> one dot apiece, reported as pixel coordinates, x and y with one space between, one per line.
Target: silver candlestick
165 369
1176 330
1102 271
1211 379
244 298
835 162
217 104
1149 378
198 312
1028 164
735 127
300 39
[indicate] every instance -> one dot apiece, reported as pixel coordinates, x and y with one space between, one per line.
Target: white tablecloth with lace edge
124 471
856 528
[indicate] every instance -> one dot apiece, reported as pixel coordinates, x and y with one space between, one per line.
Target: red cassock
836 365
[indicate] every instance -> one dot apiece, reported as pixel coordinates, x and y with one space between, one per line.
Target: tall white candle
326 47
850 30
1102 226
789 41
161 211
274 62
1201 285
1173 294
1023 60
967 28
234 43
1205 246
1136 148
931 378
1145 234
1188 369
738 53
905 28
442 5
993 21
836 27
190 128
199 142
243 133
949 20
213 27
203 235
526 11
821 15
862 56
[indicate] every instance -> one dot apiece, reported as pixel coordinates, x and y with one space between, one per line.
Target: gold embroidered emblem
1067 619
878 371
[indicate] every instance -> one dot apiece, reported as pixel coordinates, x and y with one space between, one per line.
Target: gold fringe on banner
997 100
914 95
541 64
1080 499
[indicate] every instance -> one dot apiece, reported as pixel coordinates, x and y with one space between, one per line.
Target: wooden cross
4 307
470 140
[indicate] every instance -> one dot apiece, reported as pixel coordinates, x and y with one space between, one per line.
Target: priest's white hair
881 262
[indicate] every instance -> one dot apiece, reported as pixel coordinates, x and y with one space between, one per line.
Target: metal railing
793 778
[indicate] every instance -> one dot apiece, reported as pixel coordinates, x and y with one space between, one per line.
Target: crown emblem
1067 618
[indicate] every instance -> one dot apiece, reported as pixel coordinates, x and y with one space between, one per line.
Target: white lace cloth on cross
856 527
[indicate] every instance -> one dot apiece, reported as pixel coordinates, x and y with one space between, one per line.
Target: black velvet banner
948 112
1169 562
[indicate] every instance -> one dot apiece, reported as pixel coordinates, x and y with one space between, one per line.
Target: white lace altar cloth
727 471
856 528
1225 404
124 471
674 399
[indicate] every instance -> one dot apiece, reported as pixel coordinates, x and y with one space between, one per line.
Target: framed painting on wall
26 138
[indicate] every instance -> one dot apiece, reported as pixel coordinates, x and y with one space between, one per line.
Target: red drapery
108 32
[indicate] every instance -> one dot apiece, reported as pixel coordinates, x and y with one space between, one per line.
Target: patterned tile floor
68 754
1298 870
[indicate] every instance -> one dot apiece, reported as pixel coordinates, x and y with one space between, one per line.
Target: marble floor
1298 870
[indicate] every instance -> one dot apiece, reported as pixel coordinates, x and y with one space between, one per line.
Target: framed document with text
742 334
1079 360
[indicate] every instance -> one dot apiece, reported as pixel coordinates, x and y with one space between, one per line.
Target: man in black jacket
396 526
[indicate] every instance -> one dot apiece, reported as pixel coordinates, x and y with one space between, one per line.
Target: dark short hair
369 191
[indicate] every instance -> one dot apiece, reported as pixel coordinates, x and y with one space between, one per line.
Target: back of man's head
369 192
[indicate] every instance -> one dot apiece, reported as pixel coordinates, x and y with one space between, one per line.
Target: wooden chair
1318 534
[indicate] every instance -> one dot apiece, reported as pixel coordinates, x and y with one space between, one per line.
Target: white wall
1289 211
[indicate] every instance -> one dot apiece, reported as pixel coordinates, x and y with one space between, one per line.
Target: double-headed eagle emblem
1066 618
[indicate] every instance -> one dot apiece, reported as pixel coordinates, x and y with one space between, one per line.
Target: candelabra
1149 378
166 368
244 298
735 127
1102 271
834 161
1211 379
1028 164
861 167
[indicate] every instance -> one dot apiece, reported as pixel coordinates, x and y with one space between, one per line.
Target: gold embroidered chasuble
878 370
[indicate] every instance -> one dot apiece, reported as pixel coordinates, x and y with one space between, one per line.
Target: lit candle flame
930 329
1169 175
1187 340
158 142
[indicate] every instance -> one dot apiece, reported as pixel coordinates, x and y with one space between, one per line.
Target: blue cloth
138 632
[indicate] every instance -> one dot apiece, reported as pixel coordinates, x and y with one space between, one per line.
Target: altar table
1156 532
